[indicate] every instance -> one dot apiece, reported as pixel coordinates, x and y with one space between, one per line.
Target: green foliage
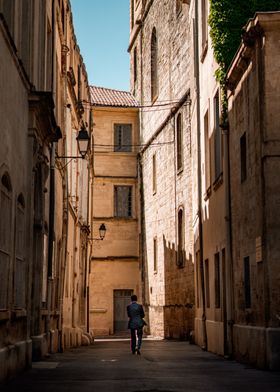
226 20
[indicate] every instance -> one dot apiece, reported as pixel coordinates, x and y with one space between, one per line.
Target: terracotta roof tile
101 96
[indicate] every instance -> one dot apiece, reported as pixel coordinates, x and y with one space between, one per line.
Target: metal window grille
123 201
123 138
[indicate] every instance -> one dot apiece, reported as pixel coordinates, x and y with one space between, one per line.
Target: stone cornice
254 30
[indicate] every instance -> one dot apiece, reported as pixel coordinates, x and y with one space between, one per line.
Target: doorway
121 300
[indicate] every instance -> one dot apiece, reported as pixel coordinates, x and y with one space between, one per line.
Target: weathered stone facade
42 241
210 208
253 92
230 224
159 42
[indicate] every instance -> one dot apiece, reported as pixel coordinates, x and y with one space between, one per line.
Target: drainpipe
228 259
197 85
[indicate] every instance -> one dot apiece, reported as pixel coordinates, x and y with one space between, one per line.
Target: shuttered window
123 201
5 237
218 137
20 266
123 137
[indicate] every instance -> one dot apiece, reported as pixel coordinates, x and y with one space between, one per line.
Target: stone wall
164 188
254 89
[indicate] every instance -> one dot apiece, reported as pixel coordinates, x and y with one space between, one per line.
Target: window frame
243 158
155 254
181 238
217 137
154 66
117 212
247 283
154 174
119 137
5 246
20 256
179 142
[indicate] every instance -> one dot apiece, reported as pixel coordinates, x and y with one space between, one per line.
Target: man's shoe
138 352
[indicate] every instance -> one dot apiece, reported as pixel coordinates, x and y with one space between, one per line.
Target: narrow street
164 366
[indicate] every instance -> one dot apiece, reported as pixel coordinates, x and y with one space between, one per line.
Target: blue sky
102 31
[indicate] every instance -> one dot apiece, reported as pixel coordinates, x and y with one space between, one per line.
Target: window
20 266
154 66
135 64
155 255
207 152
181 238
199 275
122 137
217 133
179 142
207 286
217 281
5 236
204 23
79 83
132 13
247 282
123 201
154 174
243 158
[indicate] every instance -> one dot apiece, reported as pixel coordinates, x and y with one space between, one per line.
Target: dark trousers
133 333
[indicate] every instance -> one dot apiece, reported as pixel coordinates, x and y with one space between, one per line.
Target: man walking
136 323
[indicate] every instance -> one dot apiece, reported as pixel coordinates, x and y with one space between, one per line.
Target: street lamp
83 140
102 233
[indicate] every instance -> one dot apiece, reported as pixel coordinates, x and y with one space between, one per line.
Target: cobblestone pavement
164 366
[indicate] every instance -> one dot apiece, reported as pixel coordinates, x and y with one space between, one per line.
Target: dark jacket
136 314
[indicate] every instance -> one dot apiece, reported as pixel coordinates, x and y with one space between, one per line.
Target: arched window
181 238
20 265
5 236
135 65
179 142
154 66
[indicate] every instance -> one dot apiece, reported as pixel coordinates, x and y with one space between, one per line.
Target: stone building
160 65
114 267
253 93
210 190
73 176
39 108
